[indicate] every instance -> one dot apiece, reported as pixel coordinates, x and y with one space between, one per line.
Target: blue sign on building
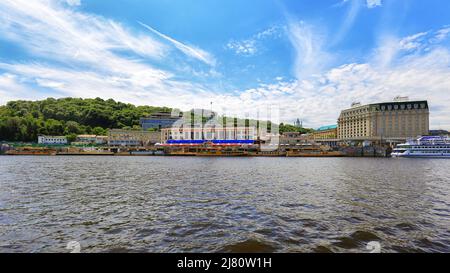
158 121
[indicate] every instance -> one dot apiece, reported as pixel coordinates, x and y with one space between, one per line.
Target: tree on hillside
99 131
72 127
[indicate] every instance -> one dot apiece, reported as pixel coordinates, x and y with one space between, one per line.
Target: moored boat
424 147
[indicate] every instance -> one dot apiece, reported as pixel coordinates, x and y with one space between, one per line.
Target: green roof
328 127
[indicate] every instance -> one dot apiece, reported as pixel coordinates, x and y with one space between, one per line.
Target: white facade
87 138
101 140
52 140
92 139
119 137
208 133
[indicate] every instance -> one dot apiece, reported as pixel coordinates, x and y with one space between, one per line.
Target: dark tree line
25 120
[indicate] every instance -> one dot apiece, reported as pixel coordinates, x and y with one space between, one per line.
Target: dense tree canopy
25 120
291 128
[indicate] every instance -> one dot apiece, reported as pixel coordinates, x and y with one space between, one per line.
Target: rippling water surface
189 204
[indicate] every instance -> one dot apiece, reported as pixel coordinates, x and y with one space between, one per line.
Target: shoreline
199 155
376 151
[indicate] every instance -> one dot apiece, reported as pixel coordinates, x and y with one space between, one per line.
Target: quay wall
372 151
350 151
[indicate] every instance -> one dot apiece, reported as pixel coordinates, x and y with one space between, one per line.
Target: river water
195 204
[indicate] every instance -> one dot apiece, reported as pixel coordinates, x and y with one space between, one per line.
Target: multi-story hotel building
400 119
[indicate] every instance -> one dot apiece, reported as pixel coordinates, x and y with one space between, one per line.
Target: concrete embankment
371 151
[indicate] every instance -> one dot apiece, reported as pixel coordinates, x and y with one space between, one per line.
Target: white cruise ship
425 147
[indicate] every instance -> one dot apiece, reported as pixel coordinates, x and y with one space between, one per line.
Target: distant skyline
312 58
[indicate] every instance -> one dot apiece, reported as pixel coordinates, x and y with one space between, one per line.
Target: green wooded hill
25 120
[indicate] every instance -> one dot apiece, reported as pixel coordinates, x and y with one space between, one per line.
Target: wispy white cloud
80 54
245 47
369 3
354 8
349 20
12 87
140 88
412 42
391 47
340 4
49 30
387 51
373 3
253 45
73 2
442 34
308 43
191 51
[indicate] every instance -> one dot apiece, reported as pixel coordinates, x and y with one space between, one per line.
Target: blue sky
309 58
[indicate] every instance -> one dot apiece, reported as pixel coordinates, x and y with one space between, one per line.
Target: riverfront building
161 120
119 137
325 132
91 139
326 135
397 120
52 140
294 138
208 133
